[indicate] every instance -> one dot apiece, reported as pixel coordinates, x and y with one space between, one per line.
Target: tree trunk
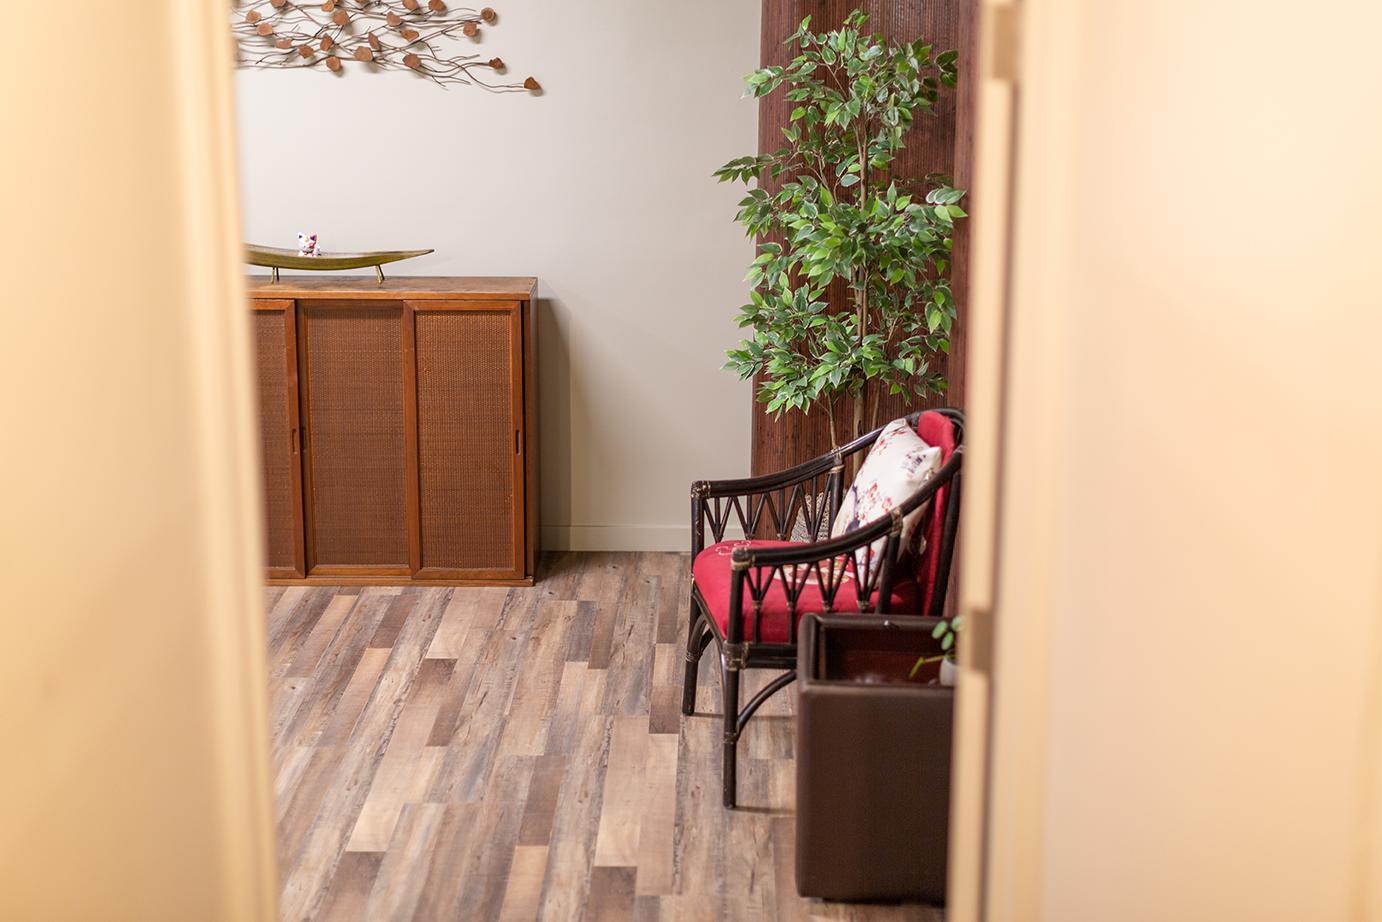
860 399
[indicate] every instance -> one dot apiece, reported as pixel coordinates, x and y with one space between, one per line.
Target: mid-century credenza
399 429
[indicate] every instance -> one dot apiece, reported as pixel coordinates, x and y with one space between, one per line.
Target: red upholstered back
935 429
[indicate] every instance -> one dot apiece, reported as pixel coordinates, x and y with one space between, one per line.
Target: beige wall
134 783
1187 592
601 187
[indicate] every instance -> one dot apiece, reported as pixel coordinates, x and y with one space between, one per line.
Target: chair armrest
745 557
827 563
746 486
812 489
783 495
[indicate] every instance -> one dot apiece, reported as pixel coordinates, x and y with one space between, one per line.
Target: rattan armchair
748 596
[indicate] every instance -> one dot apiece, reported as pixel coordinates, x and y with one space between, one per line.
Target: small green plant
947 632
841 214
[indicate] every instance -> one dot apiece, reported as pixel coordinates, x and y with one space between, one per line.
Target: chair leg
695 646
729 680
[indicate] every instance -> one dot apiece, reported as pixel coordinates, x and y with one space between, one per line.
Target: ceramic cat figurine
307 245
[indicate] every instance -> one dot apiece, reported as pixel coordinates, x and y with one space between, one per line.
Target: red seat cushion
935 429
711 570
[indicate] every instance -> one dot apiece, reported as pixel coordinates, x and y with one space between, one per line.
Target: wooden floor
476 754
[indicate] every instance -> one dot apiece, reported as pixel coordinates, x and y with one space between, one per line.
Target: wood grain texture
943 143
488 753
414 288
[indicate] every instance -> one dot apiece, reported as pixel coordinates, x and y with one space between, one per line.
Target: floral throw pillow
896 467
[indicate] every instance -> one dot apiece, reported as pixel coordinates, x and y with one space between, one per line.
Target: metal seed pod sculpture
383 34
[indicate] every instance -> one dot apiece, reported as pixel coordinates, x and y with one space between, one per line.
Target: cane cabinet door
470 463
279 437
356 423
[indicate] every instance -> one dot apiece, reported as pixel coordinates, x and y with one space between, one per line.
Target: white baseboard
619 537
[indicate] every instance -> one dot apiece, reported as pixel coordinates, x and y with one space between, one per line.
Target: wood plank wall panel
467 430
943 143
279 462
357 463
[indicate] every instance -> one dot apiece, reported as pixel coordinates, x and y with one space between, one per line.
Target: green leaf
803 348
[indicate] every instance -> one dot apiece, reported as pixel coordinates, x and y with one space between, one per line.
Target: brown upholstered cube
873 761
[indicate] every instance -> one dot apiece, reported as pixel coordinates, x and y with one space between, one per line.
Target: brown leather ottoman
873 760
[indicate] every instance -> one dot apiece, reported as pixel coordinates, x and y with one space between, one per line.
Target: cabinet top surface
474 287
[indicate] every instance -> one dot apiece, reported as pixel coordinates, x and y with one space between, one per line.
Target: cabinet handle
296 440
518 441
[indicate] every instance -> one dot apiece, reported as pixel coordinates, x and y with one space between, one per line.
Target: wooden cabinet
398 426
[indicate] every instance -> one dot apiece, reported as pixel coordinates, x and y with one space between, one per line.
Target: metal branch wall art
383 34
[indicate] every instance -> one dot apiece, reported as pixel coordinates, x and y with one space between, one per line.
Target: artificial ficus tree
841 214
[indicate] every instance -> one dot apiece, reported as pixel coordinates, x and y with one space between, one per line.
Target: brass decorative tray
275 259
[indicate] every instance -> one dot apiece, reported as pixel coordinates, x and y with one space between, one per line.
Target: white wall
601 187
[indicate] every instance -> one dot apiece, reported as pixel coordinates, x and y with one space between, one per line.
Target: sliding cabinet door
279 446
470 446
357 421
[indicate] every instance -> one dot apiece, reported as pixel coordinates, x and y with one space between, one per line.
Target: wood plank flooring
518 754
